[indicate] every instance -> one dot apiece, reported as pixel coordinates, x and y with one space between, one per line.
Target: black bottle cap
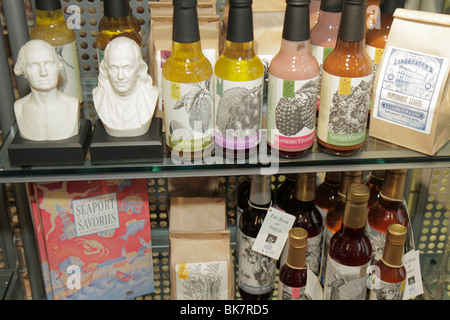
116 8
240 21
185 21
353 21
331 5
185 3
389 6
241 3
48 5
296 20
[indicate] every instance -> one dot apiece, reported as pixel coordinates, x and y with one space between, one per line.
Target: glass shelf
377 154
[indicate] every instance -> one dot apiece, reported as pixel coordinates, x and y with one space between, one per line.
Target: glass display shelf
377 155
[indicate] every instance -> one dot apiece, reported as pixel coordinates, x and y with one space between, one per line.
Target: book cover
97 238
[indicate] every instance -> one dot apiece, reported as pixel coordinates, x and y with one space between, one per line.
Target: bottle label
344 109
256 271
378 241
202 281
320 53
291 113
375 54
344 282
188 115
238 106
313 252
69 77
286 292
383 290
326 243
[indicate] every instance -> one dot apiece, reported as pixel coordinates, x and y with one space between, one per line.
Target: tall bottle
350 251
116 23
187 87
390 209
346 81
390 279
375 183
327 193
334 217
256 277
308 217
239 75
52 28
293 84
293 274
285 192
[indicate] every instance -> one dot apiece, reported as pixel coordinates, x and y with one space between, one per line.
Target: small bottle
293 274
374 182
239 75
308 217
334 217
256 277
389 282
293 86
188 87
350 251
389 209
345 88
285 193
52 28
116 23
327 193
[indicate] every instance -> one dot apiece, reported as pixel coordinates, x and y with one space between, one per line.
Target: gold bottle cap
394 184
347 178
355 213
358 193
298 237
396 234
305 189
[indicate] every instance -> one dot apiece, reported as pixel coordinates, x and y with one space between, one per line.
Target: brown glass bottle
293 274
327 193
390 209
346 80
256 276
350 251
285 193
389 278
374 183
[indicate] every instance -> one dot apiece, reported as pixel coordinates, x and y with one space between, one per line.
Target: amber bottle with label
327 193
293 274
390 209
390 274
350 251
374 182
346 82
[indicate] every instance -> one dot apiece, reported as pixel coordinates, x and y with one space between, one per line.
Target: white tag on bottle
413 283
273 233
313 288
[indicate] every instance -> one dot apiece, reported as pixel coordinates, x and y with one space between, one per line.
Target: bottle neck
50 17
296 257
117 24
305 188
260 191
352 26
185 51
185 25
392 255
355 216
244 50
296 23
240 24
350 47
116 9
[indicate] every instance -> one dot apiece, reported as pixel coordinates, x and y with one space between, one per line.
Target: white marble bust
45 114
125 98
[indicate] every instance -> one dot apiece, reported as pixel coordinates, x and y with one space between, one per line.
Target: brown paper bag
410 109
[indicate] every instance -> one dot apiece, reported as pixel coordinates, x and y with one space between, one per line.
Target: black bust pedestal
106 149
71 151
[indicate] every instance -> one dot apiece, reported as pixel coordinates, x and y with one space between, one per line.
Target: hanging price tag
273 233
413 283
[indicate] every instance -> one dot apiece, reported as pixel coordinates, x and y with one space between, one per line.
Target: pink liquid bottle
314 10
293 86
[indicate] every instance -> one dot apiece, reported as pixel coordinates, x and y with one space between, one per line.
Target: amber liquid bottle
293 274
327 193
375 182
390 209
333 219
346 82
388 284
350 251
285 193
256 277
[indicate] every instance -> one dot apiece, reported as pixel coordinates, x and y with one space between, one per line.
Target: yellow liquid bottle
187 87
52 28
239 85
116 23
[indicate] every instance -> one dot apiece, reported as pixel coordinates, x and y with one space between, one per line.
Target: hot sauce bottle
345 87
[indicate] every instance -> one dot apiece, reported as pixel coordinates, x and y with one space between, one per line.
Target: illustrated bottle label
291 113
375 55
256 271
69 80
238 106
344 108
343 282
378 241
291 293
320 53
386 290
326 243
188 115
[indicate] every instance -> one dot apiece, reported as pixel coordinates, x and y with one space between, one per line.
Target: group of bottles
343 226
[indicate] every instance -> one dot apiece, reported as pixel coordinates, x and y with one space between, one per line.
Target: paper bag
411 90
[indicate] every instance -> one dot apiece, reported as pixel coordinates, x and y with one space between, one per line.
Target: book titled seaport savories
97 238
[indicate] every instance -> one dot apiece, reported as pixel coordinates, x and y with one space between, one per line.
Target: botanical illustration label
256 271
202 281
291 113
238 106
344 109
343 282
375 55
409 85
325 245
313 248
383 290
291 293
69 77
378 241
188 115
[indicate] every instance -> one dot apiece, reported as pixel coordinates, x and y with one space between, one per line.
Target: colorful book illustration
97 239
